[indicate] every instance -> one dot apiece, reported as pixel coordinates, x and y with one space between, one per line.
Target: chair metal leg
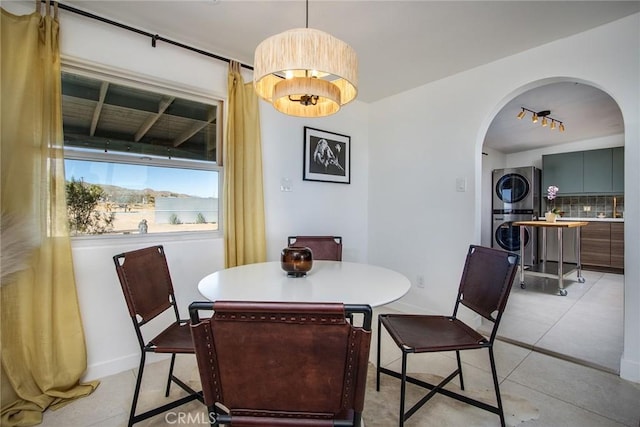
496 387
403 388
136 392
378 355
173 361
460 370
191 395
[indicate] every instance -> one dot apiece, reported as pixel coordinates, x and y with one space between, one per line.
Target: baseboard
630 370
115 366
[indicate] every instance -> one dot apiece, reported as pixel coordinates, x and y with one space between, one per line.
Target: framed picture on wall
327 156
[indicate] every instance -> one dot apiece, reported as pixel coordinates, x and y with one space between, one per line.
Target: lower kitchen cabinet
602 245
617 244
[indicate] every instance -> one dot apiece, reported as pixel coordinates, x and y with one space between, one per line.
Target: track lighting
544 114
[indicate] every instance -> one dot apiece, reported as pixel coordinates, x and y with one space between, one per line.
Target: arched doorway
591 120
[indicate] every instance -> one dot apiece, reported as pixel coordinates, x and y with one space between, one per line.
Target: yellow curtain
244 231
43 347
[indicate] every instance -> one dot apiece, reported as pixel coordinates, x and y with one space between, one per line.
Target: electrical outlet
420 281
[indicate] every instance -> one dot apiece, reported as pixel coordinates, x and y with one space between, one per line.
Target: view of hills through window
116 198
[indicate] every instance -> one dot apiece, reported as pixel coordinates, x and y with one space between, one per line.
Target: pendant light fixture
305 72
535 115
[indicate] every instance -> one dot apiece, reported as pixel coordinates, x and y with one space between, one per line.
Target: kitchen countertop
556 224
568 218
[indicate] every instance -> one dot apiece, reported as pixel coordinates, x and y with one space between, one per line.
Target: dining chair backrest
281 363
146 282
322 247
486 282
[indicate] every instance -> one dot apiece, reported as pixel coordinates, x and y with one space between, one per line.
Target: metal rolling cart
556 270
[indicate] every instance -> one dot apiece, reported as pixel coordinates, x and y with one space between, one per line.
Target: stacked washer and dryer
516 197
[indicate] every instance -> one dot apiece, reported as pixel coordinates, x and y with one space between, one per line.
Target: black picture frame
326 156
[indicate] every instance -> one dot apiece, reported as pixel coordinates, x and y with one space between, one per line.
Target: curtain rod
154 37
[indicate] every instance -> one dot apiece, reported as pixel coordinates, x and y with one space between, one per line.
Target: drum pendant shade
306 72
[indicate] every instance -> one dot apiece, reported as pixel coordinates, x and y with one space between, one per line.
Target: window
138 161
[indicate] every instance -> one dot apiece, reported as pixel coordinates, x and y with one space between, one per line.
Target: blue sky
193 182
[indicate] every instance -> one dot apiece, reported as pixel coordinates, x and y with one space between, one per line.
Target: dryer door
512 188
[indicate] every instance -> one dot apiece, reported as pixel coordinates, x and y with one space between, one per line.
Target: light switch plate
285 185
461 184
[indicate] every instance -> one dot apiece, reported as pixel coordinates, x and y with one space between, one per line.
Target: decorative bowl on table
296 260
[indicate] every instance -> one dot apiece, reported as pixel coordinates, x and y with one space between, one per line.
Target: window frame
149 83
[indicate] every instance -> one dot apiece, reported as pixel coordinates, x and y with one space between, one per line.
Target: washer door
512 188
507 236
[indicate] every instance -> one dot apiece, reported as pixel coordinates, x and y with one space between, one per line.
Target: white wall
423 140
402 209
316 208
312 207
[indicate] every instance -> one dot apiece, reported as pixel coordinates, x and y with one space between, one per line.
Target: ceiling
402 44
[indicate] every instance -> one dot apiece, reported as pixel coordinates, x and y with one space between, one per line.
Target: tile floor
564 393
585 326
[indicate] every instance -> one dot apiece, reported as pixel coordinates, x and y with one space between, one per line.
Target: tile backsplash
588 206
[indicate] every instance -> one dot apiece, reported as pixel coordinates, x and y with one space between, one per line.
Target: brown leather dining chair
281 364
327 248
485 285
148 291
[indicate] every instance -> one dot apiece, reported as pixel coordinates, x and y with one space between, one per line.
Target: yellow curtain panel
42 342
244 229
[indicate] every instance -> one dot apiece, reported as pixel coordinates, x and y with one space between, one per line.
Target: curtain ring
234 66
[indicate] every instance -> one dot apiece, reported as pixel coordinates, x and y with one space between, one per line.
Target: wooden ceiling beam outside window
165 102
96 112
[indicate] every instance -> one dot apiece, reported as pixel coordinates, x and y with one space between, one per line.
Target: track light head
545 115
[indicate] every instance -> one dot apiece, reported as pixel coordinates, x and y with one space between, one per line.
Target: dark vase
296 260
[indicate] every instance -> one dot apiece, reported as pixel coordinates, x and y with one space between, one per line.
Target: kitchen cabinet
617 244
597 171
602 245
585 172
617 161
563 170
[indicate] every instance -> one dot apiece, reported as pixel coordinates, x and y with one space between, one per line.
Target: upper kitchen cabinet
564 171
598 171
617 155
585 172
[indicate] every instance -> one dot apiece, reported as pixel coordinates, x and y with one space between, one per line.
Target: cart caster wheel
581 279
522 285
562 292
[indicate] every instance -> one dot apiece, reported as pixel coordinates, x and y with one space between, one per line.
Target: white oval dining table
328 281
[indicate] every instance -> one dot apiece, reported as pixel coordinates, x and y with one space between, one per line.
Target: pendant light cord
307 22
